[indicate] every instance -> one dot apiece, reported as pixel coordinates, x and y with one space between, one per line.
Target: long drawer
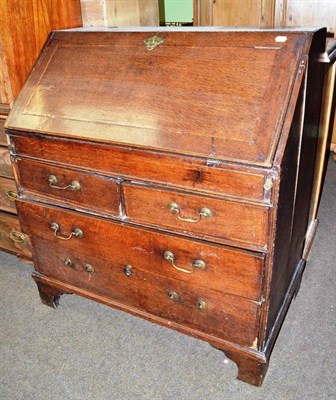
7 195
204 216
194 262
5 163
223 315
68 186
185 172
11 237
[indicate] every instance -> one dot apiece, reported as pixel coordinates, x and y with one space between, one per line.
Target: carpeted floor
87 351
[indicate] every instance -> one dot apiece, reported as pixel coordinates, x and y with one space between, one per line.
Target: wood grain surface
225 109
95 193
231 271
235 221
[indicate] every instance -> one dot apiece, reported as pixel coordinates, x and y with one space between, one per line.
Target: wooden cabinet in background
24 27
266 13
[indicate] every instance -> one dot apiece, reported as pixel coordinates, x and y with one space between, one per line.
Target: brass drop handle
87 267
198 264
204 212
17 237
11 195
74 185
76 232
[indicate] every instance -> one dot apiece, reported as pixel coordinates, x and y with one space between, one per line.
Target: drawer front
226 220
230 317
11 237
225 270
70 187
7 195
5 163
169 170
3 139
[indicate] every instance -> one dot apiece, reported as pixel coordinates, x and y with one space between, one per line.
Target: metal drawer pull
11 195
87 267
201 304
173 296
68 262
203 212
128 271
170 257
17 237
74 185
76 232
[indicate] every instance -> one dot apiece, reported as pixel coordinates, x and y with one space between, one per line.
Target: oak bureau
169 174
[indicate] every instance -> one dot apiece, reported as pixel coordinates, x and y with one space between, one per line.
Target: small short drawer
5 163
70 187
3 139
230 317
7 195
194 262
11 237
203 216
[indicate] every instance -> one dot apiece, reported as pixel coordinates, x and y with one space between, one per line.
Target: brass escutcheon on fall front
153 42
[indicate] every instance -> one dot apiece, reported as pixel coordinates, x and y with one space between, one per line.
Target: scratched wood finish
5 163
183 172
145 250
229 220
6 203
9 229
95 192
237 117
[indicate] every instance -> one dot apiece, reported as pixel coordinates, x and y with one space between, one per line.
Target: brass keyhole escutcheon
128 271
153 42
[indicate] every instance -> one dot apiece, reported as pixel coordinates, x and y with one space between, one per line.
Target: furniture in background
266 13
173 190
24 27
120 12
326 123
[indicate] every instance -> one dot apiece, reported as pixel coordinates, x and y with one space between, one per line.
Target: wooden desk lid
219 94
